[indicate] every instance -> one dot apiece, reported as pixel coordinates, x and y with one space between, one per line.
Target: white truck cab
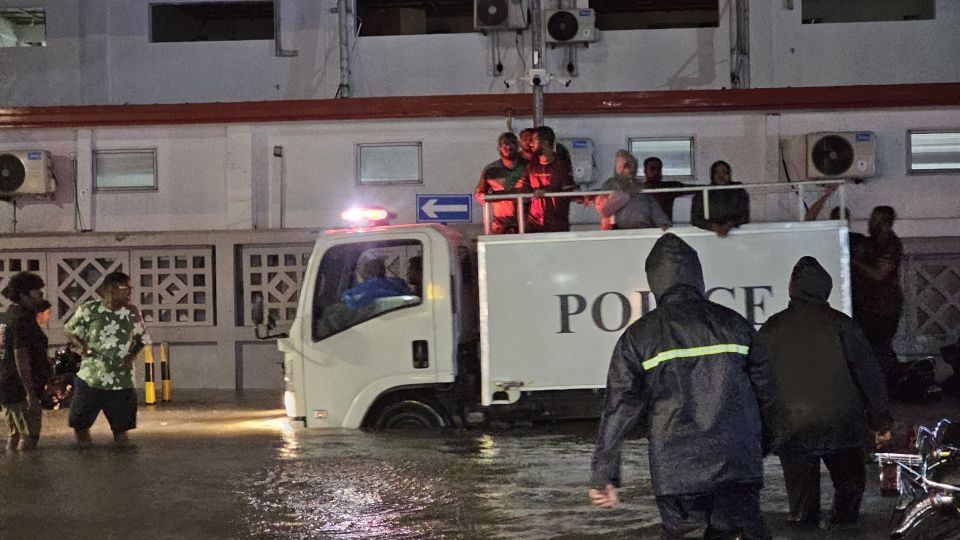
521 327
340 362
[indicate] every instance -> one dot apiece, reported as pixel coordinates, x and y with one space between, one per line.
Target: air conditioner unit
490 15
841 155
26 172
571 26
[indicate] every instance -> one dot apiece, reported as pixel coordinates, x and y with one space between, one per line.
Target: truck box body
551 307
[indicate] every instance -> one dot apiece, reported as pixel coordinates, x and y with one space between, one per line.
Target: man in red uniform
547 173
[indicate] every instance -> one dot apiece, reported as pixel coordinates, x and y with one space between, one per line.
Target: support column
83 180
536 48
239 186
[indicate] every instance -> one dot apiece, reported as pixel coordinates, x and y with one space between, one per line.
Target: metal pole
345 32
536 49
706 204
149 387
739 14
164 373
486 217
521 219
843 203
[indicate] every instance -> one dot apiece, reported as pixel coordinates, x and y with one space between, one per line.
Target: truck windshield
361 281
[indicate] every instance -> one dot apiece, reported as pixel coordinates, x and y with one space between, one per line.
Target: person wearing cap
831 393
24 367
110 334
692 373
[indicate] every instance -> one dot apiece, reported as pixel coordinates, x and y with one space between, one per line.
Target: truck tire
410 414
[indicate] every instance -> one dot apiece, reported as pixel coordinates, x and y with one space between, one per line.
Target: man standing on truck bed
653 179
692 373
548 172
502 178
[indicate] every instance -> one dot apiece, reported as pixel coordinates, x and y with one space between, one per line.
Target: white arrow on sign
431 208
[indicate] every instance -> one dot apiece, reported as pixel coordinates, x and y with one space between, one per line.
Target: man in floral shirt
110 333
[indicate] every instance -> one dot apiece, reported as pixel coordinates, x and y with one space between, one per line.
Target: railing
798 187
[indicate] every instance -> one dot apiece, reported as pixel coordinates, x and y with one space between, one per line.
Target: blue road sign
437 208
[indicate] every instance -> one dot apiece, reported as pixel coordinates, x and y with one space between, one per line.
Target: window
933 151
851 11
211 21
655 14
676 153
411 17
389 163
362 281
23 27
123 170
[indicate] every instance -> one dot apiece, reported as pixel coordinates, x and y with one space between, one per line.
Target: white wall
226 177
99 52
788 53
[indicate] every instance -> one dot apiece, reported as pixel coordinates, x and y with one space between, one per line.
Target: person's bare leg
13 441
121 437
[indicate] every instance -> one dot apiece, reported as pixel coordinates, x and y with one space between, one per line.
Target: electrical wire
786 173
523 62
76 197
353 47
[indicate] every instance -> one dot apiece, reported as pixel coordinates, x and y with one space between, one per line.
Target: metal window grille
274 273
175 287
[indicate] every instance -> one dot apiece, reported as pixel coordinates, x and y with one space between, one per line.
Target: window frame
692 153
350 254
112 189
909 153
406 181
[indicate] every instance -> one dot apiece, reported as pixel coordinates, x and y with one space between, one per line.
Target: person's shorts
119 406
21 420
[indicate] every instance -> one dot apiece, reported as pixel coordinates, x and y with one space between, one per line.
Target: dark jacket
19 330
693 373
726 206
826 375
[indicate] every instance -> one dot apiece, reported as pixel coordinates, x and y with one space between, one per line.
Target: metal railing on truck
798 187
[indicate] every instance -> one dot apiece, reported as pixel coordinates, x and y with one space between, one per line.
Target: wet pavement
223 465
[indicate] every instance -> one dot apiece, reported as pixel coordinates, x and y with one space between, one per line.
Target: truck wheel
410 415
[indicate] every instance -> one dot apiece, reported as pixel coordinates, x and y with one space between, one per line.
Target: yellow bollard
149 390
164 373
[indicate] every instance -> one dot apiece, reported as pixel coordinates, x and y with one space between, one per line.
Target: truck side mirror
256 310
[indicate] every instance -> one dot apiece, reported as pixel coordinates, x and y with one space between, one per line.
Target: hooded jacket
830 386
692 372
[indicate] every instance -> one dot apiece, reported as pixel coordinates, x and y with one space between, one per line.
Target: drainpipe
344 31
739 43
536 48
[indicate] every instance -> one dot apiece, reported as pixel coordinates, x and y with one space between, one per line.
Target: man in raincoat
832 392
693 373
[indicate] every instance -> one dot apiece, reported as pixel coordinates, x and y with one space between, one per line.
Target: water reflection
357 485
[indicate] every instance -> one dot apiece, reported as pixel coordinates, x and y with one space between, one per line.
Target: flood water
235 468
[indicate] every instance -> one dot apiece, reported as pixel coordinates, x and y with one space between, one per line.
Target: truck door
371 327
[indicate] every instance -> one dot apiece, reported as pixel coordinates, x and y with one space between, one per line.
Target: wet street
228 466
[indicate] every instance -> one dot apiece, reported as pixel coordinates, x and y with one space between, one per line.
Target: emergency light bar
359 216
